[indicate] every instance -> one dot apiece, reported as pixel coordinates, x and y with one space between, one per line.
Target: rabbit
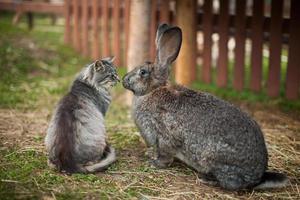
76 140
223 144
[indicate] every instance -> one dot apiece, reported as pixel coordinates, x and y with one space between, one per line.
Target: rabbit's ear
160 30
168 46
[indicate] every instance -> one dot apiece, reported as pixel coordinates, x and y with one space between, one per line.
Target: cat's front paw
150 153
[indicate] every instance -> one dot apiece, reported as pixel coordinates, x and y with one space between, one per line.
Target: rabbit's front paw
160 164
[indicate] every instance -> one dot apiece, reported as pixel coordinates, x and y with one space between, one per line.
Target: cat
76 139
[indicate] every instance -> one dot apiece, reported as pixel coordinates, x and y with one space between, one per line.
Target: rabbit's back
205 131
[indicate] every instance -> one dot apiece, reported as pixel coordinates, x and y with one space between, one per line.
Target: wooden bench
29 7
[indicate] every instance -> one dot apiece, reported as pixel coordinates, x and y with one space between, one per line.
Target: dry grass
132 177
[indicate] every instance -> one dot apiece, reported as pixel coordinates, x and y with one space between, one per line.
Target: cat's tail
110 157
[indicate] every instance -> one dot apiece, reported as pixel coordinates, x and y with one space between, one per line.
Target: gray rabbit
222 143
76 140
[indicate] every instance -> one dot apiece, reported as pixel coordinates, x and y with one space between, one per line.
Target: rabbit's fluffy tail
104 163
272 180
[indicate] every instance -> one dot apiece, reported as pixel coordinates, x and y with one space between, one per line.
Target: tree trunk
139 35
185 71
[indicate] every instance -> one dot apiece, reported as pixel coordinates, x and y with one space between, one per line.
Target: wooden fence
99 28
273 31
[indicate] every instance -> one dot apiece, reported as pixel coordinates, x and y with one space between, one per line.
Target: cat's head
101 73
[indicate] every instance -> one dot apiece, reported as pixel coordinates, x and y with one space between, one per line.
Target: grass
31 65
37 70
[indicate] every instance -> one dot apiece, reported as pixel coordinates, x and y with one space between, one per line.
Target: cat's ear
109 59
88 72
98 66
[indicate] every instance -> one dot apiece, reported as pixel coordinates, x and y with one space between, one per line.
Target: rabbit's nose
126 79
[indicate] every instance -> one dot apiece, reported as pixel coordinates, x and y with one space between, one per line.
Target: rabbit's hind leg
230 178
208 179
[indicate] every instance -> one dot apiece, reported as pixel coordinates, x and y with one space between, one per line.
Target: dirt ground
26 130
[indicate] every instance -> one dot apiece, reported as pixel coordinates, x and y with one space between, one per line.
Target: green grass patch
34 64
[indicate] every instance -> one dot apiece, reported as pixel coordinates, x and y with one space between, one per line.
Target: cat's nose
115 77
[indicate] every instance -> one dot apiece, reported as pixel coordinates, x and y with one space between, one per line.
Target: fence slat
207 31
116 32
240 36
126 27
164 16
153 27
76 36
257 45
84 28
95 36
275 48
67 13
105 28
222 72
293 70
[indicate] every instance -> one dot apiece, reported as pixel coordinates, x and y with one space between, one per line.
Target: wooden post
105 28
185 72
153 27
76 36
30 20
222 71
207 31
84 27
257 45
293 70
275 48
126 27
67 14
164 14
95 36
116 32
239 53
138 51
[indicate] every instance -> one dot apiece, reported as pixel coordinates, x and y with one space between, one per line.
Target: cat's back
77 124
63 118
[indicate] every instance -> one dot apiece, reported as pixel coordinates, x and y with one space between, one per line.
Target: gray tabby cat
76 139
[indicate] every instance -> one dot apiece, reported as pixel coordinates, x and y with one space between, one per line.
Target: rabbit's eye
143 72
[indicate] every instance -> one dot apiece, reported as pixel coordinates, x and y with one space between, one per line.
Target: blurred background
244 51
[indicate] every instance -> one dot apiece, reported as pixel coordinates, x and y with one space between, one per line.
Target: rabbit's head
149 76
